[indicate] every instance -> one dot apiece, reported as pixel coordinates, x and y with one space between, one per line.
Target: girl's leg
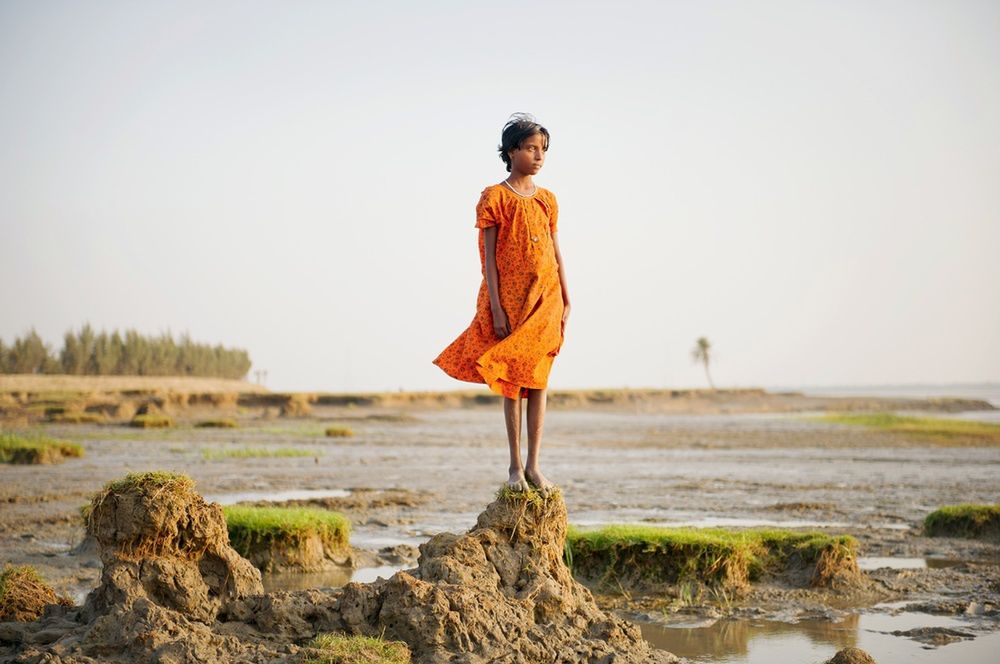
536 421
512 417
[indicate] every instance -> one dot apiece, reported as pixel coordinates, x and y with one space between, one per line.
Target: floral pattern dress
530 294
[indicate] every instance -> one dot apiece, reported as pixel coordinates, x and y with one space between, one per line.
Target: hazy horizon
811 185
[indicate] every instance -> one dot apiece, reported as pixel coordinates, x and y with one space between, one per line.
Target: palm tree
701 353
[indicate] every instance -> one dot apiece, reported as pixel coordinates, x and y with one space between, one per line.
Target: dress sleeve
486 210
554 216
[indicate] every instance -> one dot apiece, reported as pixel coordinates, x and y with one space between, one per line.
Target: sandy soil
417 471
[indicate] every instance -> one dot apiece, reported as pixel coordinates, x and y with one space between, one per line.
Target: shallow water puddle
754 641
876 562
274 496
334 578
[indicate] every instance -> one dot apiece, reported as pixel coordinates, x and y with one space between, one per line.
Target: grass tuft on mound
148 482
931 429
24 594
339 432
36 449
532 496
152 421
966 520
712 556
250 527
256 453
347 649
225 423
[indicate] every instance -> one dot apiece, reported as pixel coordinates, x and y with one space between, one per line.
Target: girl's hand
565 317
501 327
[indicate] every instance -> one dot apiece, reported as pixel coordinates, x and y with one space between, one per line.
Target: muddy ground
410 472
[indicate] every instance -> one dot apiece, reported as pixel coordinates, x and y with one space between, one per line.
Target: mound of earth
172 590
24 594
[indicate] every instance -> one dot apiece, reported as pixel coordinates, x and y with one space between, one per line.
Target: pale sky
814 186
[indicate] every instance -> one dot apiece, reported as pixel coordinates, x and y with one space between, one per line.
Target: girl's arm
500 325
562 279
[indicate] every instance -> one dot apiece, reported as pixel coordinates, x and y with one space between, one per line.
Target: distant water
986 391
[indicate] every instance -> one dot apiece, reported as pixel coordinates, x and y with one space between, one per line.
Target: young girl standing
523 302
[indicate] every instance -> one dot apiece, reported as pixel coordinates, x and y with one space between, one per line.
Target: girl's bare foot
544 486
516 481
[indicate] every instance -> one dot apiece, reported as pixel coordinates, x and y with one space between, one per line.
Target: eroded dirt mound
499 593
161 541
24 594
851 656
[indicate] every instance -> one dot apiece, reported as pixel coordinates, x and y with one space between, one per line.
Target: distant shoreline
28 399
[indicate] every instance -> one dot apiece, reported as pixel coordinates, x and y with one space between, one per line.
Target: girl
523 302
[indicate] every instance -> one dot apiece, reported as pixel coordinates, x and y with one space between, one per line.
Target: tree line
93 353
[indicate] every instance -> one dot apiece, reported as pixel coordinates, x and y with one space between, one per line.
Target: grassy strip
152 421
36 449
225 423
347 649
965 520
250 527
712 556
255 453
339 432
932 429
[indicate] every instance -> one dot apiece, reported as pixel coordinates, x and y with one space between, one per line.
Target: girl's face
528 158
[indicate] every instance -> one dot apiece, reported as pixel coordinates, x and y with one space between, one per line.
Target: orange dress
530 294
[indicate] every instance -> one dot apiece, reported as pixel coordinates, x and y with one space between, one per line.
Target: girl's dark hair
519 127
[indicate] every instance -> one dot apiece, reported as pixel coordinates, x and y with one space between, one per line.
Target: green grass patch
37 448
965 520
253 528
225 423
255 453
357 649
937 430
649 555
152 421
339 432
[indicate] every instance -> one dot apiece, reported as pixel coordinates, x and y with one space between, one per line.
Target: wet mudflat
437 468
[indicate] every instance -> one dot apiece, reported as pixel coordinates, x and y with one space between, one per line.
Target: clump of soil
77 417
965 520
162 542
152 421
305 539
296 404
24 594
851 656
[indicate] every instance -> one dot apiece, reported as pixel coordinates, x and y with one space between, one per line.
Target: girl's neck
521 181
